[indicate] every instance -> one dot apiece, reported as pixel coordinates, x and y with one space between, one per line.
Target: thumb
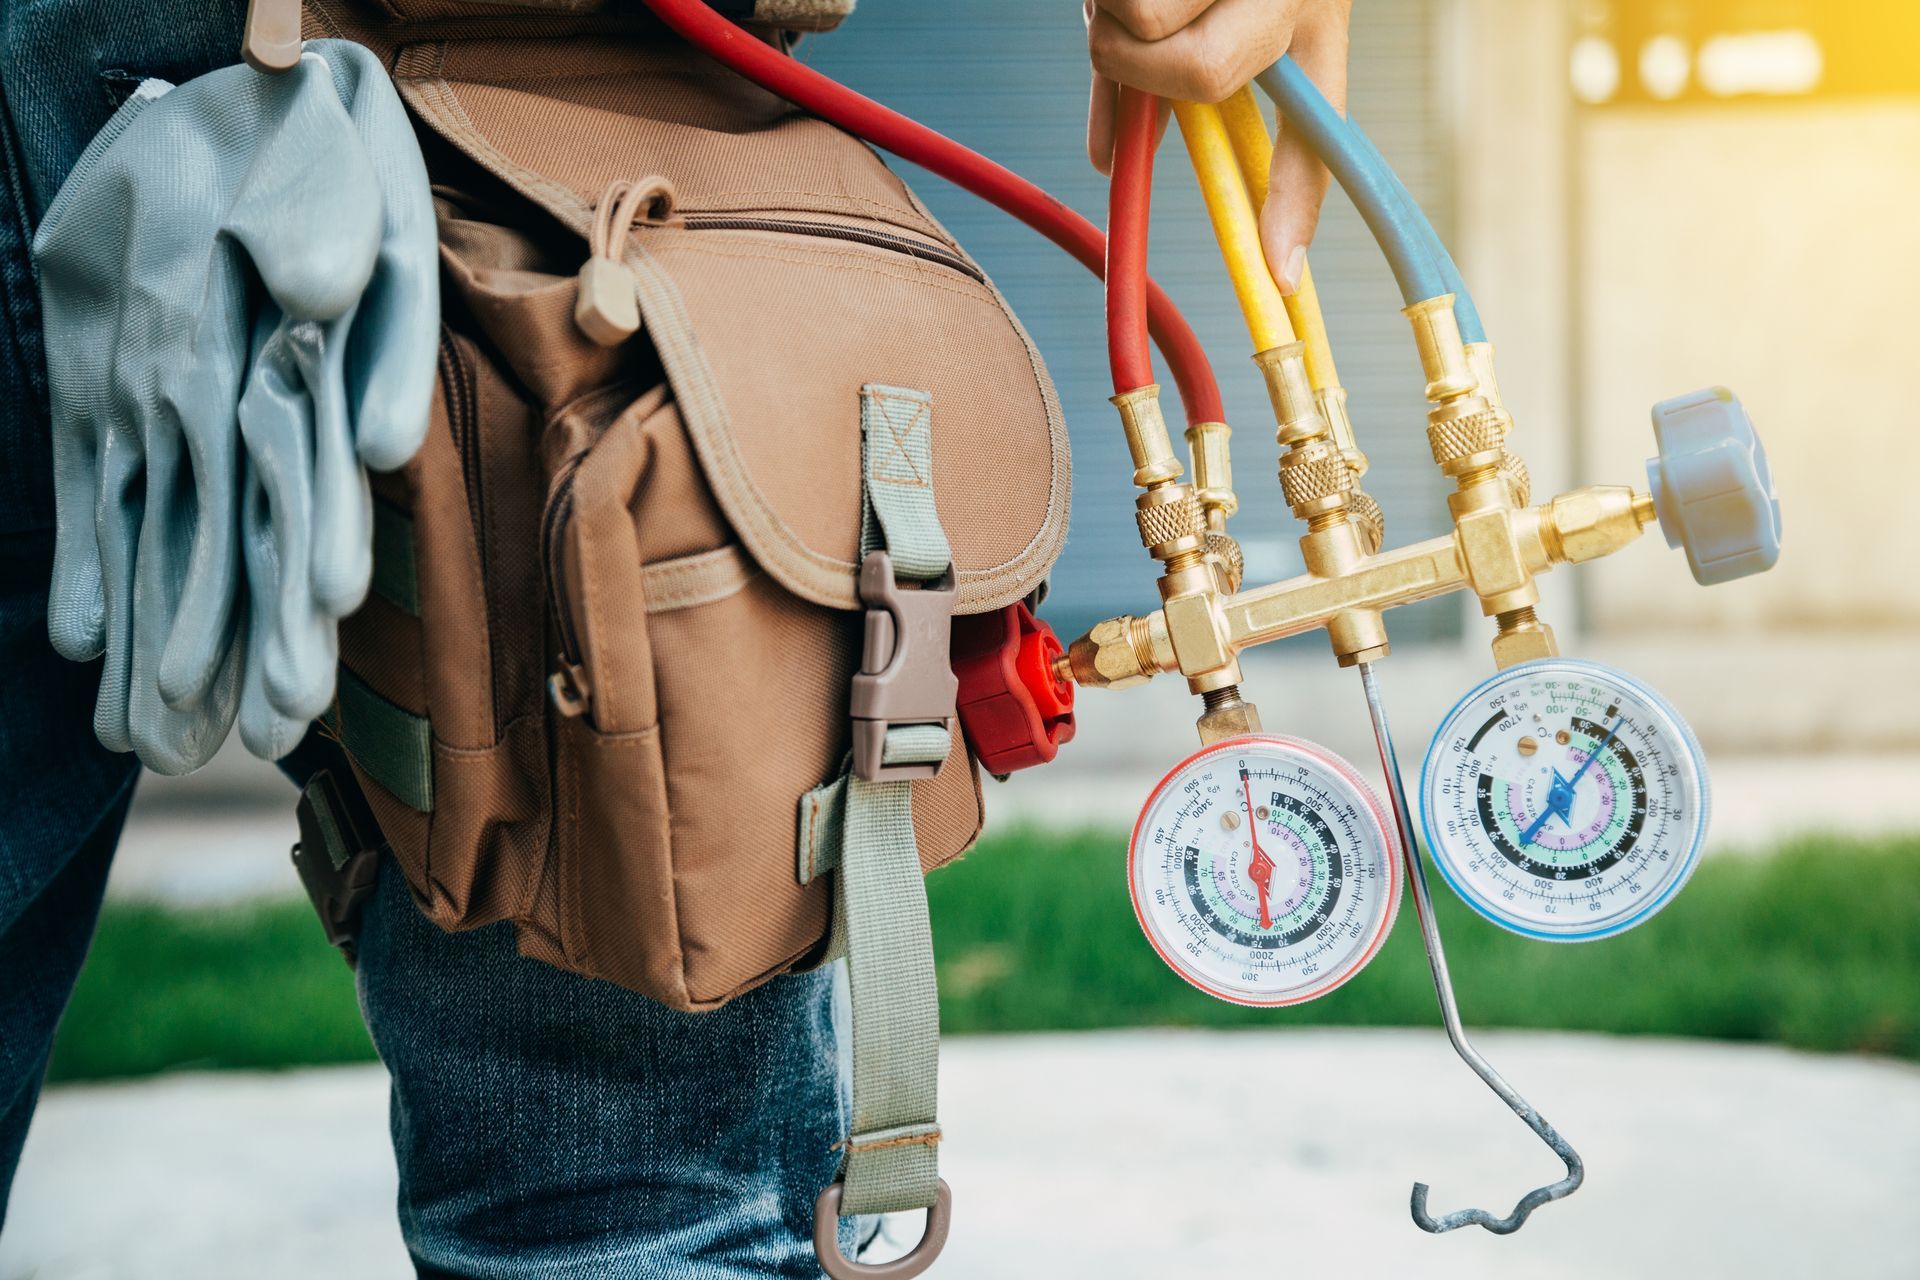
1297 186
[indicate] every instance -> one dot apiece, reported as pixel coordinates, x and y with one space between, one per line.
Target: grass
1817 946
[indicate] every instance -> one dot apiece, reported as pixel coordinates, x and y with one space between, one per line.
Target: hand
1204 50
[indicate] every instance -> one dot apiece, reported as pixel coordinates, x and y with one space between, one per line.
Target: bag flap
767 334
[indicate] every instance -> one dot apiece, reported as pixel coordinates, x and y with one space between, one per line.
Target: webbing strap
393 745
896 462
891 1155
395 577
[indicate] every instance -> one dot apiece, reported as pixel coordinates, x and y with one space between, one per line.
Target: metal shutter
1009 78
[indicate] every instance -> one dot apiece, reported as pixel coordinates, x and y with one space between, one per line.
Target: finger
1152 19
264 729
394 334
342 531
291 637
1297 187
1204 61
1101 105
208 610
118 505
168 741
76 607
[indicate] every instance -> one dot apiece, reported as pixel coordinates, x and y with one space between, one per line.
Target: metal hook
1450 1012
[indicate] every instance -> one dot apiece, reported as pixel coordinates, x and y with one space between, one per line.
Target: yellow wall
1775 249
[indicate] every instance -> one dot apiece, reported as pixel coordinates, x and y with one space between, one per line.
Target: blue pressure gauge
1564 800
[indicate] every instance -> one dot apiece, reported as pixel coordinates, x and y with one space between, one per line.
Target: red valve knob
1013 710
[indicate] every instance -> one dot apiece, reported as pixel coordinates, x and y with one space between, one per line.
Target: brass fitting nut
1170 521
1224 550
1112 655
1311 472
1232 719
1522 638
1513 469
1368 519
1592 522
1470 442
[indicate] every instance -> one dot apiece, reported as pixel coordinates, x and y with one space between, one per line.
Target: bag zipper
463 418
873 239
569 687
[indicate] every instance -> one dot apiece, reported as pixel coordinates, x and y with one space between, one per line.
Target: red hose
888 129
1129 201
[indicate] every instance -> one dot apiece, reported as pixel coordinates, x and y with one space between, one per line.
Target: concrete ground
1113 1155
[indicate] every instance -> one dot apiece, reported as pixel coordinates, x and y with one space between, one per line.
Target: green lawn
1817 946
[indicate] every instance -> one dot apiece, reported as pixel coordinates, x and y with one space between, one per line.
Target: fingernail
1296 265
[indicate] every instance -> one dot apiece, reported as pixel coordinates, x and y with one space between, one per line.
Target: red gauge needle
1260 870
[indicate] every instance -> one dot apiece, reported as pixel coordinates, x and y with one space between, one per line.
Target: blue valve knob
1712 486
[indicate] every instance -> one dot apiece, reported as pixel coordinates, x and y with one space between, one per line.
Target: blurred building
1648 196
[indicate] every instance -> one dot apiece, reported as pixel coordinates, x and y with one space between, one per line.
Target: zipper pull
605 308
568 688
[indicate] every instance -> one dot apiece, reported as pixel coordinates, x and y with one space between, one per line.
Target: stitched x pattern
902 458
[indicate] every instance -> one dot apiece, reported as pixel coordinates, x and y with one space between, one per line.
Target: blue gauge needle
1560 795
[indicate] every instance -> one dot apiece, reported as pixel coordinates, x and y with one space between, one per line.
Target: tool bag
604 685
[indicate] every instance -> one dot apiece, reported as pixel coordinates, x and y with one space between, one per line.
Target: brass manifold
1498 546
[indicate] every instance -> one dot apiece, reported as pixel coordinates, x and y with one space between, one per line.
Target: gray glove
240 292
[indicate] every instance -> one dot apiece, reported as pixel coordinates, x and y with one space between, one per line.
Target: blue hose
1421 265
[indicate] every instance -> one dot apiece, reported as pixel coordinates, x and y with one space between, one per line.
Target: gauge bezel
1339 767
1462 886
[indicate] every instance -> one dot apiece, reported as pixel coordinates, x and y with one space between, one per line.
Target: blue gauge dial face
1564 800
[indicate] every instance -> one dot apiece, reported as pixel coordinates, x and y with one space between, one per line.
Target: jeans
545 1125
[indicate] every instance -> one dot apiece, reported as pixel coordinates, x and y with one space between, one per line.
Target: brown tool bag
617 608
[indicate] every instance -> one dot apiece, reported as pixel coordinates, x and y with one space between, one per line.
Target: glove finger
118 503
166 740
76 604
308 213
391 353
201 398
342 503
263 729
391 348
296 643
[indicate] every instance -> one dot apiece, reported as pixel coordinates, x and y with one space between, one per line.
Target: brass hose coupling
1173 528
1207 445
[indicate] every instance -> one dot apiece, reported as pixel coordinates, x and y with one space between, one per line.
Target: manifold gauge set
1560 799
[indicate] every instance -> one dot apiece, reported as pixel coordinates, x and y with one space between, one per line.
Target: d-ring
826 1240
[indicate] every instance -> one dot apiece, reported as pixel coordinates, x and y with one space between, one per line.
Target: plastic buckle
905 675
338 864
1014 711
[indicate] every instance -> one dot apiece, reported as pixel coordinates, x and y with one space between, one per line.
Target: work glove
240 296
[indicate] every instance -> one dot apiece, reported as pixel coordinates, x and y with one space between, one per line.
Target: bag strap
862 822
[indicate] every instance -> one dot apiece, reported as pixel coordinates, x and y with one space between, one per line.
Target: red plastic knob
1013 710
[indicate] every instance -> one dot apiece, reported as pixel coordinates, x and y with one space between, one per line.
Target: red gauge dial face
1261 871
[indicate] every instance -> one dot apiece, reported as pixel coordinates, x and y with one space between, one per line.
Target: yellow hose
1234 224
1253 149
